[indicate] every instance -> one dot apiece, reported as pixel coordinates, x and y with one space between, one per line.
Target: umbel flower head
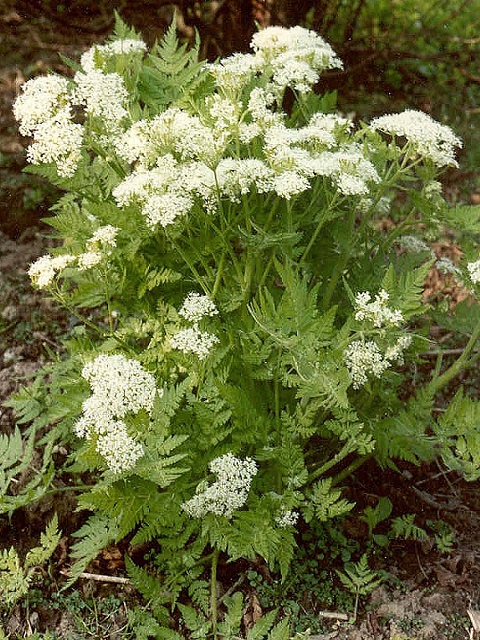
192 339
228 493
377 311
429 138
119 386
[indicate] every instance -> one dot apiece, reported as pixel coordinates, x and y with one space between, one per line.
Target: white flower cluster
119 386
172 132
167 191
296 56
41 99
193 339
103 95
474 271
97 56
45 108
197 306
377 311
447 267
287 518
429 138
228 493
98 246
292 57
364 358
44 270
44 111
414 244
181 159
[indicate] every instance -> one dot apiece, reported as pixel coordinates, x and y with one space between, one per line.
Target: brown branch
100 578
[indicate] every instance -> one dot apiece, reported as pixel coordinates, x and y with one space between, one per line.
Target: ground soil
434 591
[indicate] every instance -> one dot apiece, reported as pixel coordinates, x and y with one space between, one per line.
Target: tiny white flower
122 382
363 359
43 271
193 340
377 311
474 271
197 306
287 518
103 95
414 244
120 451
229 493
58 140
447 267
97 56
395 352
165 208
119 386
105 237
289 184
88 260
41 99
429 138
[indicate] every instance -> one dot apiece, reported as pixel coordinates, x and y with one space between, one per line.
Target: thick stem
213 593
343 453
351 468
340 267
461 363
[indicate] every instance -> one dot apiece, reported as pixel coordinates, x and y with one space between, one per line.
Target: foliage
15 576
359 579
245 325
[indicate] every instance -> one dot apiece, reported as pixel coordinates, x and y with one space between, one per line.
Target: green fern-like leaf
406 289
262 626
459 435
281 631
406 435
14 583
96 534
199 592
250 534
229 627
149 585
171 72
405 527
198 625
159 465
126 501
326 501
48 543
359 578
167 404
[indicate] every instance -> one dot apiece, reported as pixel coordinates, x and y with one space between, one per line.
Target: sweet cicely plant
246 326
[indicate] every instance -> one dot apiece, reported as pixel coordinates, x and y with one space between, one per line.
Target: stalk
213 593
461 363
343 453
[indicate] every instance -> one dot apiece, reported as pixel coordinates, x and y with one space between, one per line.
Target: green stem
314 237
191 266
341 265
343 453
78 487
219 275
213 593
351 468
461 363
